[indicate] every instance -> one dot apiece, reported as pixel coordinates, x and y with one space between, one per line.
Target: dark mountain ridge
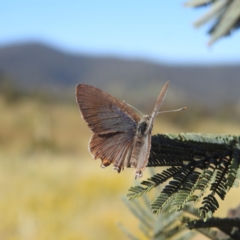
37 67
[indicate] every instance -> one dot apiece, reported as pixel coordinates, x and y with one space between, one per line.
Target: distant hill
37 67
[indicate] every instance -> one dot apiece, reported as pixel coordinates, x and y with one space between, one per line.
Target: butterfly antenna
176 110
133 108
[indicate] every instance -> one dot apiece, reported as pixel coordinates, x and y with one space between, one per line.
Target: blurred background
51 188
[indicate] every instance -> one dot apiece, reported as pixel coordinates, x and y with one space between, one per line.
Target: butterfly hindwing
115 149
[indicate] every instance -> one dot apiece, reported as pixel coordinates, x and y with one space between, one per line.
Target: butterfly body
143 126
120 136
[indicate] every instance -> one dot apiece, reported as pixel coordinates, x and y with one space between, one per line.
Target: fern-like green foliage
225 13
164 226
197 163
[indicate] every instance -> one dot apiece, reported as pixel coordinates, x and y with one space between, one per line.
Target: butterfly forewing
103 112
159 101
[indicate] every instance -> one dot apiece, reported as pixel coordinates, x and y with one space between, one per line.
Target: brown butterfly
120 136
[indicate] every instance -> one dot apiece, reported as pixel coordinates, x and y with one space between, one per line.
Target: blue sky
151 29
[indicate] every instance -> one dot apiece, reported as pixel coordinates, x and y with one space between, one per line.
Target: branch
228 225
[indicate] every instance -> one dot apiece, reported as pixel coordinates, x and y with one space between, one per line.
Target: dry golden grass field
51 188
